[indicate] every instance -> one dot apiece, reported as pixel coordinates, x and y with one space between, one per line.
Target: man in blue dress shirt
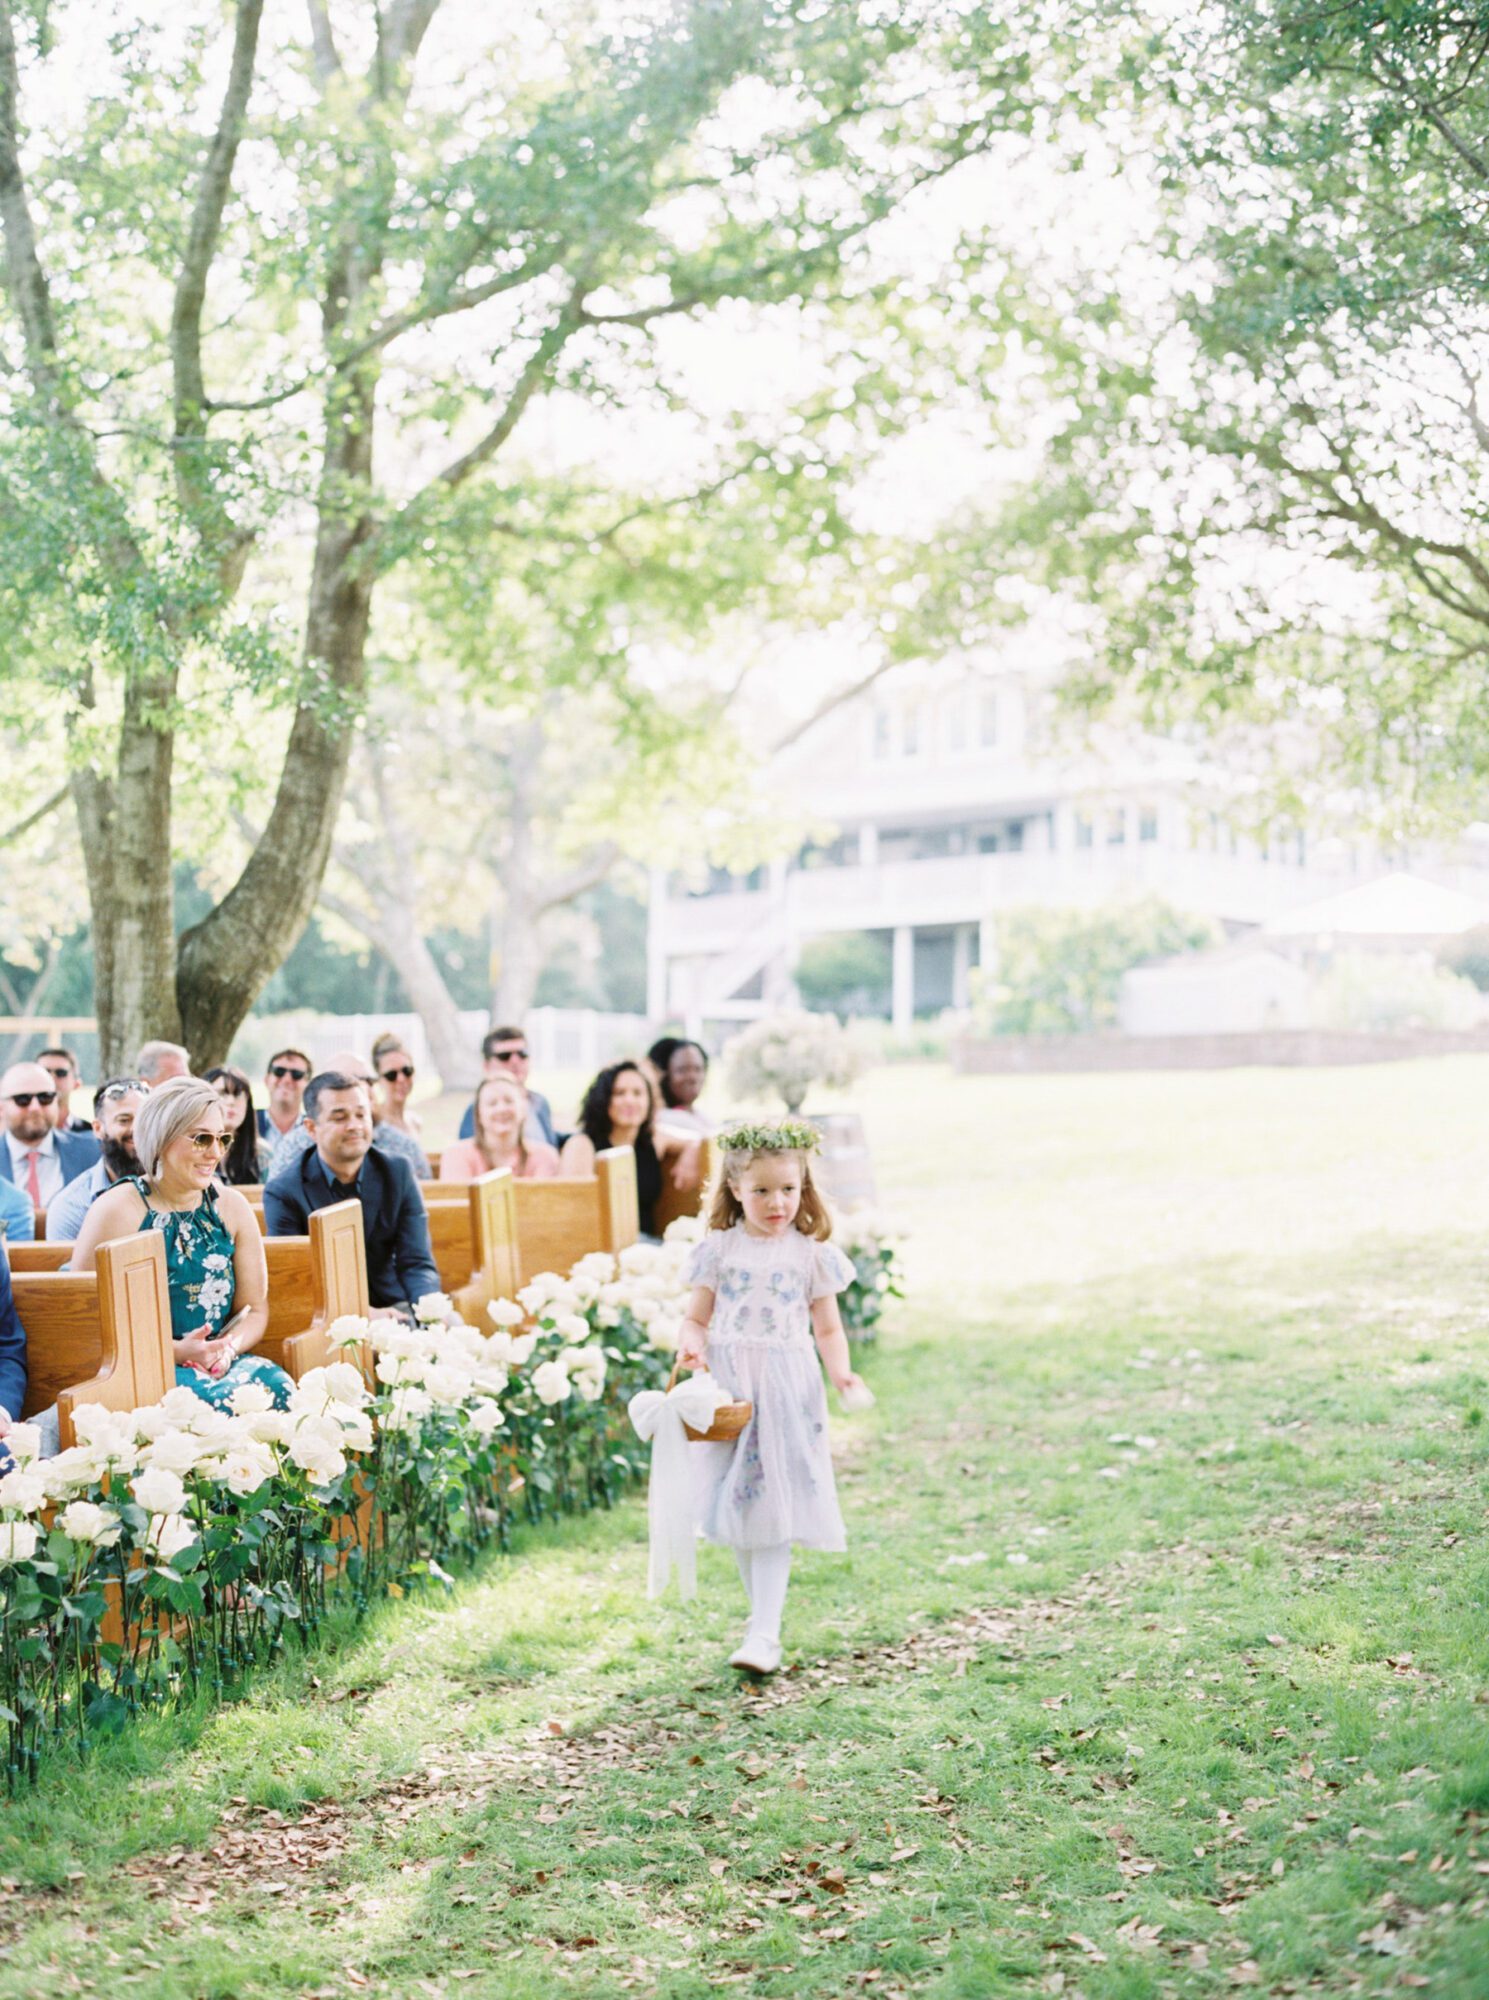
342 1163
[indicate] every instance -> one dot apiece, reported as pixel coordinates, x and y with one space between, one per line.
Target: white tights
765 1574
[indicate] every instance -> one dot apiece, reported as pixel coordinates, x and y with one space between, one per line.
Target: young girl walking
765 1282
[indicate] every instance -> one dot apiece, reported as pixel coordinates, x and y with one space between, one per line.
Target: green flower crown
789 1136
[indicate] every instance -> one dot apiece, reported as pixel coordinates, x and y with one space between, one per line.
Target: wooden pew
451 1233
494 1238
674 1202
338 1280
101 1337
558 1222
38 1256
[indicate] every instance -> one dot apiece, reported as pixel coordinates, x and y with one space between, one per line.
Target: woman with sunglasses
248 1154
214 1252
395 1079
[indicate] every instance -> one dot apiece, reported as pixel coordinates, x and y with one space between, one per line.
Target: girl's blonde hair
725 1208
523 1092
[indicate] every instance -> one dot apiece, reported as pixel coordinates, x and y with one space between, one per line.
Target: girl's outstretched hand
692 1347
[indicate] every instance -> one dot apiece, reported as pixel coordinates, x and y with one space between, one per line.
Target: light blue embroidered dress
199 1272
774 1482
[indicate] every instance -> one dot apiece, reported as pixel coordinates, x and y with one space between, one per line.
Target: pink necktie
33 1179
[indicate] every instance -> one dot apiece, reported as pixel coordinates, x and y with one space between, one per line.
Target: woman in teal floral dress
214 1250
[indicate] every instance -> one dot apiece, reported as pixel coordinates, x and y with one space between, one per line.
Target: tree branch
27 281
36 816
323 43
202 239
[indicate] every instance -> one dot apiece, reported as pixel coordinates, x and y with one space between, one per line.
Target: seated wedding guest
343 1163
214 1251
38 1158
248 1154
620 1109
389 1139
13 1375
17 1216
61 1065
682 1071
501 1138
285 1077
116 1105
158 1062
504 1052
395 1075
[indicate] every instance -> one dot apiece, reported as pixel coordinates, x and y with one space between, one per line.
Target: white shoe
757 1656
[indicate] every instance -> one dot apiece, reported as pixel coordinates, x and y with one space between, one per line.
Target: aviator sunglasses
391 1075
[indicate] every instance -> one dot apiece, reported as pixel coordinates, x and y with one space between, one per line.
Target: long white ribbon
669 1500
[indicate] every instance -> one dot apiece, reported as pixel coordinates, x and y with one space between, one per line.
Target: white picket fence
568 1038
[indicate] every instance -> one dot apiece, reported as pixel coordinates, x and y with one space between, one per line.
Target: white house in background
1235 990
951 801
1394 912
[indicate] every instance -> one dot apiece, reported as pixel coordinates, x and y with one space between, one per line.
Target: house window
954 724
1085 830
987 719
1116 827
883 732
910 731
1147 823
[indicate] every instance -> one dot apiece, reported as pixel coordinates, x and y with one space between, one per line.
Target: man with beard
114 1109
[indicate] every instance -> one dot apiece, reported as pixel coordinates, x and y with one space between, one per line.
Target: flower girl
765 1282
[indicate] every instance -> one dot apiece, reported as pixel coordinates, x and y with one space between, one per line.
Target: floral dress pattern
200 1275
773 1483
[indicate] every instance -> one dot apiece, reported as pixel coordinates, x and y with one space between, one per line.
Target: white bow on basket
665 1418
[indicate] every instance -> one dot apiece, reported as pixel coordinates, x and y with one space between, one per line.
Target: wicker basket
729 1419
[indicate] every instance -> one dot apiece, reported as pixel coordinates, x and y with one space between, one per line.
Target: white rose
398 1370
607 1315
347 1331
486 1417
686 1229
147 1422
538 1290
345 1383
17 1541
83 1521
249 1398
169 1536
22 1490
448 1386
271 1426
522 1348
159 1491
571 1326
181 1405
504 1313
491 1379
23 1442
434 1306
406 1410
551 1382
246 1467
173 1451
71 1471
598 1264
356 1430
315 1456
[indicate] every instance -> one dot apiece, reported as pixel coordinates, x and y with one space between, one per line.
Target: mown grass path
1159 1666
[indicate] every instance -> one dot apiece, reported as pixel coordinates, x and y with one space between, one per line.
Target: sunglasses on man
511 1055
282 1070
392 1075
134 1086
29 1097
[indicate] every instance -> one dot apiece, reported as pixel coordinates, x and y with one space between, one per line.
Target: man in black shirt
343 1163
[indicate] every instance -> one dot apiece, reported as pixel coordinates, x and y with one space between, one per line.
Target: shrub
784 1055
1059 971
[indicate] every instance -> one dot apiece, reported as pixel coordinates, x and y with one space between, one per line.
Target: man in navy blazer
12 1357
33 1153
342 1162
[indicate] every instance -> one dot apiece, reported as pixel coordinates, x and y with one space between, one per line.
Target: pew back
134 1325
493 1230
675 1202
558 1222
38 1256
338 1279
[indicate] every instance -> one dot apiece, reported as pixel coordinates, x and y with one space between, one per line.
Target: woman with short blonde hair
214 1252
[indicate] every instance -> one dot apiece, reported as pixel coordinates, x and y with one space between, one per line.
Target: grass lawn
1159 1665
